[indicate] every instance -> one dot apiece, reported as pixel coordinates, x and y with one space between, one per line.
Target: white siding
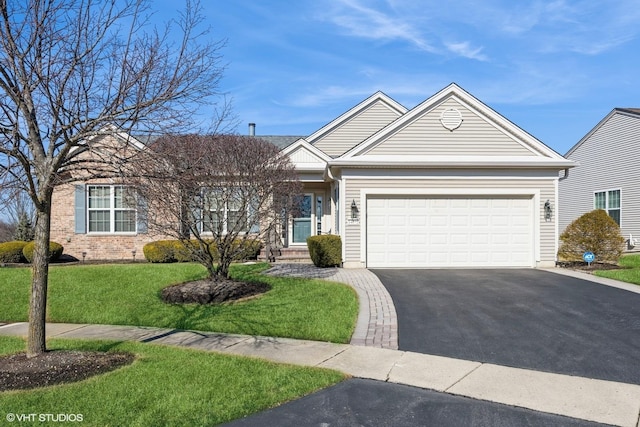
609 159
475 136
356 130
468 181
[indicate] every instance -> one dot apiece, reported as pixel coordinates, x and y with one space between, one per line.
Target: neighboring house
607 177
449 183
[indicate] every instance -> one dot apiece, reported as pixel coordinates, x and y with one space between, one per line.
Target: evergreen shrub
325 250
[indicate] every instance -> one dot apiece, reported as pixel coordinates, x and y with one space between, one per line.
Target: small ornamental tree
217 194
595 232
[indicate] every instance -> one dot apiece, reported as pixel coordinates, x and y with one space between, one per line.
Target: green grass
129 294
165 386
631 273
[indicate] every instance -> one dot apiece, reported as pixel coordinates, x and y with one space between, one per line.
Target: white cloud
465 50
361 21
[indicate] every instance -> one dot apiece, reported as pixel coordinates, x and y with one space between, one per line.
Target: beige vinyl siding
356 130
304 156
475 136
609 159
546 188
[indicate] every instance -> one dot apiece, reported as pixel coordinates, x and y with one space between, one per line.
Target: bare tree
7 231
73 70
15 204
216 194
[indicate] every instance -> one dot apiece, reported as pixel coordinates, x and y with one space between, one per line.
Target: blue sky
554 68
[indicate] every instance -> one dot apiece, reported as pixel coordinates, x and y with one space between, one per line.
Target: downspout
562 178
566 175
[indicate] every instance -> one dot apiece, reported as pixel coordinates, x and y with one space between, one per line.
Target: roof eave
456 164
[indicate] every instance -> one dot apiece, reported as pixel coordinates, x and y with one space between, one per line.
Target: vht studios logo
51 418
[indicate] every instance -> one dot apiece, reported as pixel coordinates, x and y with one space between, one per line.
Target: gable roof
357 124
525 151
305 156
629 112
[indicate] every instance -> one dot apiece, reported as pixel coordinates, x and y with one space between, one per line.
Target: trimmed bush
248 249
55 251
596 232
12 251
165 251
325 250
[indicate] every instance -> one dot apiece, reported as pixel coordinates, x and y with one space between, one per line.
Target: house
607 176
89 217
449 183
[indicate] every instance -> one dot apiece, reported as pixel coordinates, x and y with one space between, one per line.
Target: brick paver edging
377 324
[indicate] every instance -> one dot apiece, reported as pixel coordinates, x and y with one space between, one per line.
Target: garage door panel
438 220
418 220
448 232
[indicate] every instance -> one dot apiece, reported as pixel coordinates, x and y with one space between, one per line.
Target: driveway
359 402
522 318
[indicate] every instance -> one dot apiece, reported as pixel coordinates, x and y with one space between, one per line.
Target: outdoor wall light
547 211
354 210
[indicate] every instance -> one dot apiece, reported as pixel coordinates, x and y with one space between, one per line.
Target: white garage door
424 232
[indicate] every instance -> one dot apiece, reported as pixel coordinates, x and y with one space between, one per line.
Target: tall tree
217 194
71 70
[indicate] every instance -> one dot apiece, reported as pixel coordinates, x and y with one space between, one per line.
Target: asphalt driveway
522 318
358 402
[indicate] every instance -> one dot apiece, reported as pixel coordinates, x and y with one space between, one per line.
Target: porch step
297 255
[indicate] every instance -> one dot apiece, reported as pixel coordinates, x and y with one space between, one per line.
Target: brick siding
95 246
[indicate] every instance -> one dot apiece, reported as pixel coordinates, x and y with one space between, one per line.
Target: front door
301 228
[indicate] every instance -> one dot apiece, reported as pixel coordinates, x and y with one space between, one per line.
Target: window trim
112 210
607 209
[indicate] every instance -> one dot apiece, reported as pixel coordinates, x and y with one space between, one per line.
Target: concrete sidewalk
583 398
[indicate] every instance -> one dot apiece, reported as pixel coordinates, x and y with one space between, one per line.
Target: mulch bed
211 292
583 266
17 372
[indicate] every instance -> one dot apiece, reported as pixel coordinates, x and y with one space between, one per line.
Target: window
609 201
223 212
109 210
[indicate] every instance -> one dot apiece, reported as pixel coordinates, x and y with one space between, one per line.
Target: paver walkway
377 324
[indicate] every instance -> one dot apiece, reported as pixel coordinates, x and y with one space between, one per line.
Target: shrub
325 250
248 249
12 251
164 251
594 231
55 251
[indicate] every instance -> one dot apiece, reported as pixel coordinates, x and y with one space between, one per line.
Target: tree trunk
36 341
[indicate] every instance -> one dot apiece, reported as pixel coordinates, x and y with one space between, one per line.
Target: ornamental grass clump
594 232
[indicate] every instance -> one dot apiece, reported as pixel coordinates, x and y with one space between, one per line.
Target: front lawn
630 273
129 294
165 386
